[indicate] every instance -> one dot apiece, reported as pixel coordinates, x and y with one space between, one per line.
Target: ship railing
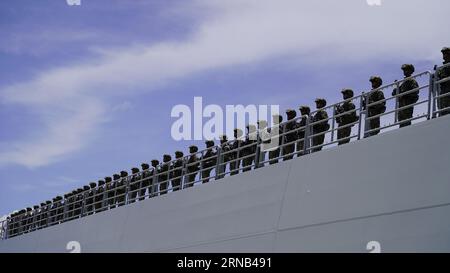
237 156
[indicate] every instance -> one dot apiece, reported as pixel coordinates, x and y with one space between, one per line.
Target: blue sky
87 91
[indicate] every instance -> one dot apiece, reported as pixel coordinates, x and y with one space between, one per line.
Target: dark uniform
320 127
177 171
404 100
110 189
249 152
164 174
14 224
86 192
45 213
235 164
36 217
69 203
99 199
54 212
59 209
263 141
90 192
145 181
153 183
378 108
291 135
135 184
78 202
121 188
444 102
11 225
346 116
192 166
302 128
28 219
22 221
209 161
225 155
275 153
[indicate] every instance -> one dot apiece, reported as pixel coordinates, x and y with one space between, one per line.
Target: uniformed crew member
407 85
110 189
305 111
135 183
69 203
444 87
209 161
264 142
235 164
86 191
121 188
78 202
320 125
177 171
100 196
164 174
248 152
152 188
192 166
90 198
375 108
54 211
36 217
28 219
345 115
276 133
225 155
145 182
291 135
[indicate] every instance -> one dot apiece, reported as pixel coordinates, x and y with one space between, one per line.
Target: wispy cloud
67 131
235 33
43 41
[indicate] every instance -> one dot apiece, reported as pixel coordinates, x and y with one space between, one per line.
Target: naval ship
385 192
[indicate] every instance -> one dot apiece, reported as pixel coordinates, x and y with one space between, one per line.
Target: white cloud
234 33
67 131
42 41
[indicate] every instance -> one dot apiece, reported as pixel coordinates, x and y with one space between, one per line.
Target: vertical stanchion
430 95
397 91
333 123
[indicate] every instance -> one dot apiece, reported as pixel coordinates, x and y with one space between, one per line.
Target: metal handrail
155 181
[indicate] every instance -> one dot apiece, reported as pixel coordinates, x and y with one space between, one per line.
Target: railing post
397 91
430 96
436 92
333 123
